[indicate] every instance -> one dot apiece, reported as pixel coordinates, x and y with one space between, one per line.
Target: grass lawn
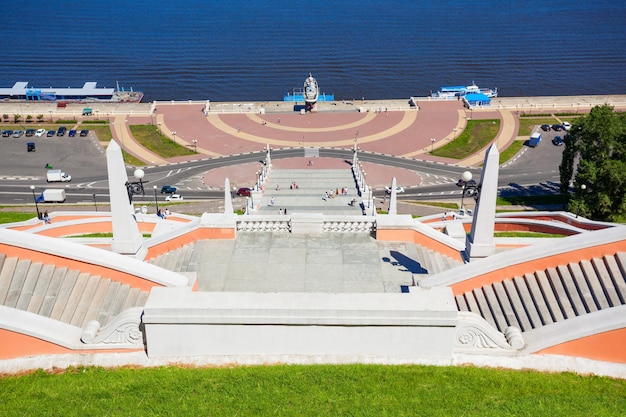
511 151
13 216
150 138
477 135
321 390
525 234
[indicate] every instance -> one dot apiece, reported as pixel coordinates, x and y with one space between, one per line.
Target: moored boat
460 91
88 93
311 90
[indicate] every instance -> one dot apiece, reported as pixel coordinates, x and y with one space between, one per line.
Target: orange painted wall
203 233
607 346
16 345
409 235
519 269
124 278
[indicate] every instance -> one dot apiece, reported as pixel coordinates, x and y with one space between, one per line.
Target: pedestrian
280 211
46 217
443 218
277 187
272 201
167 212
285 211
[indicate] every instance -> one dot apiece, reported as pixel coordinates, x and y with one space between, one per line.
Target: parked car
7 133
557 127
18 133
557 141
545 128
51 133
30 132
61 131
174 197
566 125
168 189
71 133
40 132
84 132
244 192
398 189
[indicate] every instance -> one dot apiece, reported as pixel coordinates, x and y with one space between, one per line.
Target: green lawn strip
441 204
104 235
511 151
529 124
525 234
151 138
477 135
14 216
530 200
321 390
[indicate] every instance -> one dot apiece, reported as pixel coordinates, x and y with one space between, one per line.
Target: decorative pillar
127 239
480 242
393 205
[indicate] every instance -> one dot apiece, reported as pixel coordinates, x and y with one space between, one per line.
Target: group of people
163 214
46 217
282 211
335 193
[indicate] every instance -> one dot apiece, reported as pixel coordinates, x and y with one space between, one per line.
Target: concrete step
560 293
192 265
119 301
41 288
95 305
84 301
17 282
131 298
594 269
28 286
584 288
104 313
505 303
539 301
548 293
483 305
496 309
181 253
6 276
571 289
527 301
618 274
52 292
74 298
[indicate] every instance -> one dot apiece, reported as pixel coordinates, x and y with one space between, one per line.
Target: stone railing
314 224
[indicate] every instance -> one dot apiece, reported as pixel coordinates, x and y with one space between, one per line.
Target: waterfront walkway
381 126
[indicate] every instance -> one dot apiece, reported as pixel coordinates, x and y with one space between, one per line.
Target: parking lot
83 156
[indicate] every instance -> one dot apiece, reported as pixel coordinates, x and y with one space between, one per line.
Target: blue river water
257 50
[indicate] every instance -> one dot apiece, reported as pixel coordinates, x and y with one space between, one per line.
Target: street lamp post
32 188
174 134
195 145
467 177
94 202
137 186
432 144
583 187
156 203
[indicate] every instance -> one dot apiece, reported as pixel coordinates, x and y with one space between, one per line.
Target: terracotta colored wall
124 278
15 345
530 267
408 235
202 233
607 346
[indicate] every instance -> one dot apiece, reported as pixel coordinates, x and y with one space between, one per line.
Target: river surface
256 50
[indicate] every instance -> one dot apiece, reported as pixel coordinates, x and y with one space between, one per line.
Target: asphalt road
532 171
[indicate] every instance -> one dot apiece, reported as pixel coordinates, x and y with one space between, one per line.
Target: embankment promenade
542 105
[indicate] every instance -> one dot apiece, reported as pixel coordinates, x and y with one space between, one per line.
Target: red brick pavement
383 132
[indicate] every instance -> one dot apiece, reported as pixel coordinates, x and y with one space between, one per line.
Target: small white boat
310 90
461 90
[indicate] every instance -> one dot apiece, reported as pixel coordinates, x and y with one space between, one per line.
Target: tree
595 156
39 118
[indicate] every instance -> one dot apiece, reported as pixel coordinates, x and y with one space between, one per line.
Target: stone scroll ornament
475 335
125 330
